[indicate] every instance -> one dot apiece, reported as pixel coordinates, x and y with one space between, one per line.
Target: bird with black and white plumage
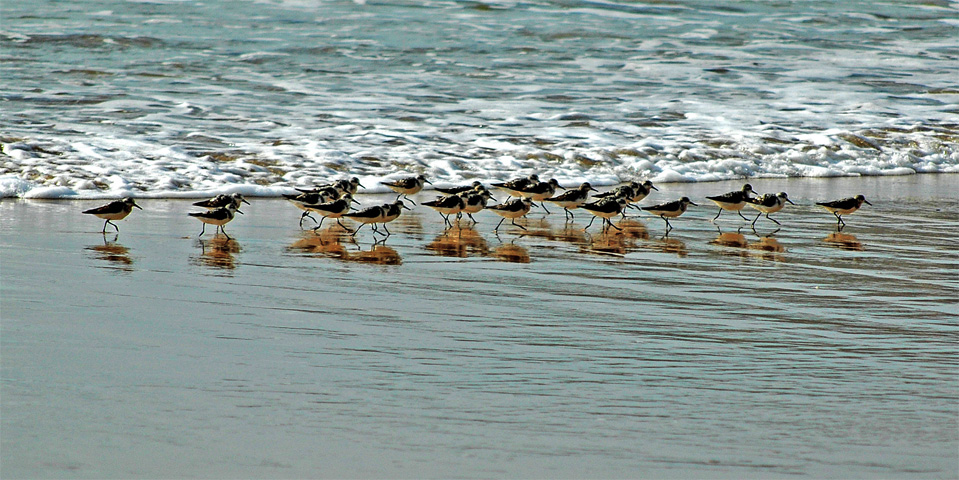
219 217
407 186
476 201
312 197
541 191
670 210
341 186
515 186
633 192
448 205
115 210
844 206
220 201
572 198
769 203
605 208
461 188
335 209
367 216
733 201
513 209
392 211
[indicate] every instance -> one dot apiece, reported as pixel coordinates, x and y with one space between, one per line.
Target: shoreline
11 187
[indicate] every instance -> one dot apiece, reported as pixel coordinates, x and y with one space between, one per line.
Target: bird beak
560 186
593 189
429 182
241 213
654 187
135 205
493 199
790 201
354 201
358 184
695 204
866 202
408 208
246 202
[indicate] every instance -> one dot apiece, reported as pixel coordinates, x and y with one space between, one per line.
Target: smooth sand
716 351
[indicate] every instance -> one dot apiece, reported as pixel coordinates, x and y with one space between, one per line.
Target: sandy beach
718 351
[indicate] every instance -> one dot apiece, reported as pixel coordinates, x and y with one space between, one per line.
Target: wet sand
714 352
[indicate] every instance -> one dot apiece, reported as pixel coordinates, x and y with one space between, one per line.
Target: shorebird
448 205
335 209
407 186
605 208
514 186
670 210
460 189
221 201
840 207
371 216
573 198
512 210
476 201
392 211
300 200
541 191
218 217
733 201
341 187
769 203
115 210
633 192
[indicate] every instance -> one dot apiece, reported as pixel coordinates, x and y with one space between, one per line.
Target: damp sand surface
717 351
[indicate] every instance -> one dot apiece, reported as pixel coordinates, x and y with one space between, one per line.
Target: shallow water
168 98
281 353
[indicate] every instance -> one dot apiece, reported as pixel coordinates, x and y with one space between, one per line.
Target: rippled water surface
716 351
170 98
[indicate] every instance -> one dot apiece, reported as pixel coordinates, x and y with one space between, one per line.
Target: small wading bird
476 201
512 210
221 201
515 186
733 201
115 210
541 191
632 192
605 208
670 210
844 207
769 203
572 199
335 209
341 187
448 205
379 214
460 189
312 197
218 217
407 186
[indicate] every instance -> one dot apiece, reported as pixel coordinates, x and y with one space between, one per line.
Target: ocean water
163 98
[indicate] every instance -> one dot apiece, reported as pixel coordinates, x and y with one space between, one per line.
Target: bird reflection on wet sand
217 252
329 243
844 241
511 253
769 246
459 242
114 253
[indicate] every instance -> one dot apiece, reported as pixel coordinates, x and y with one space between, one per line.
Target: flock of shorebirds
335 201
